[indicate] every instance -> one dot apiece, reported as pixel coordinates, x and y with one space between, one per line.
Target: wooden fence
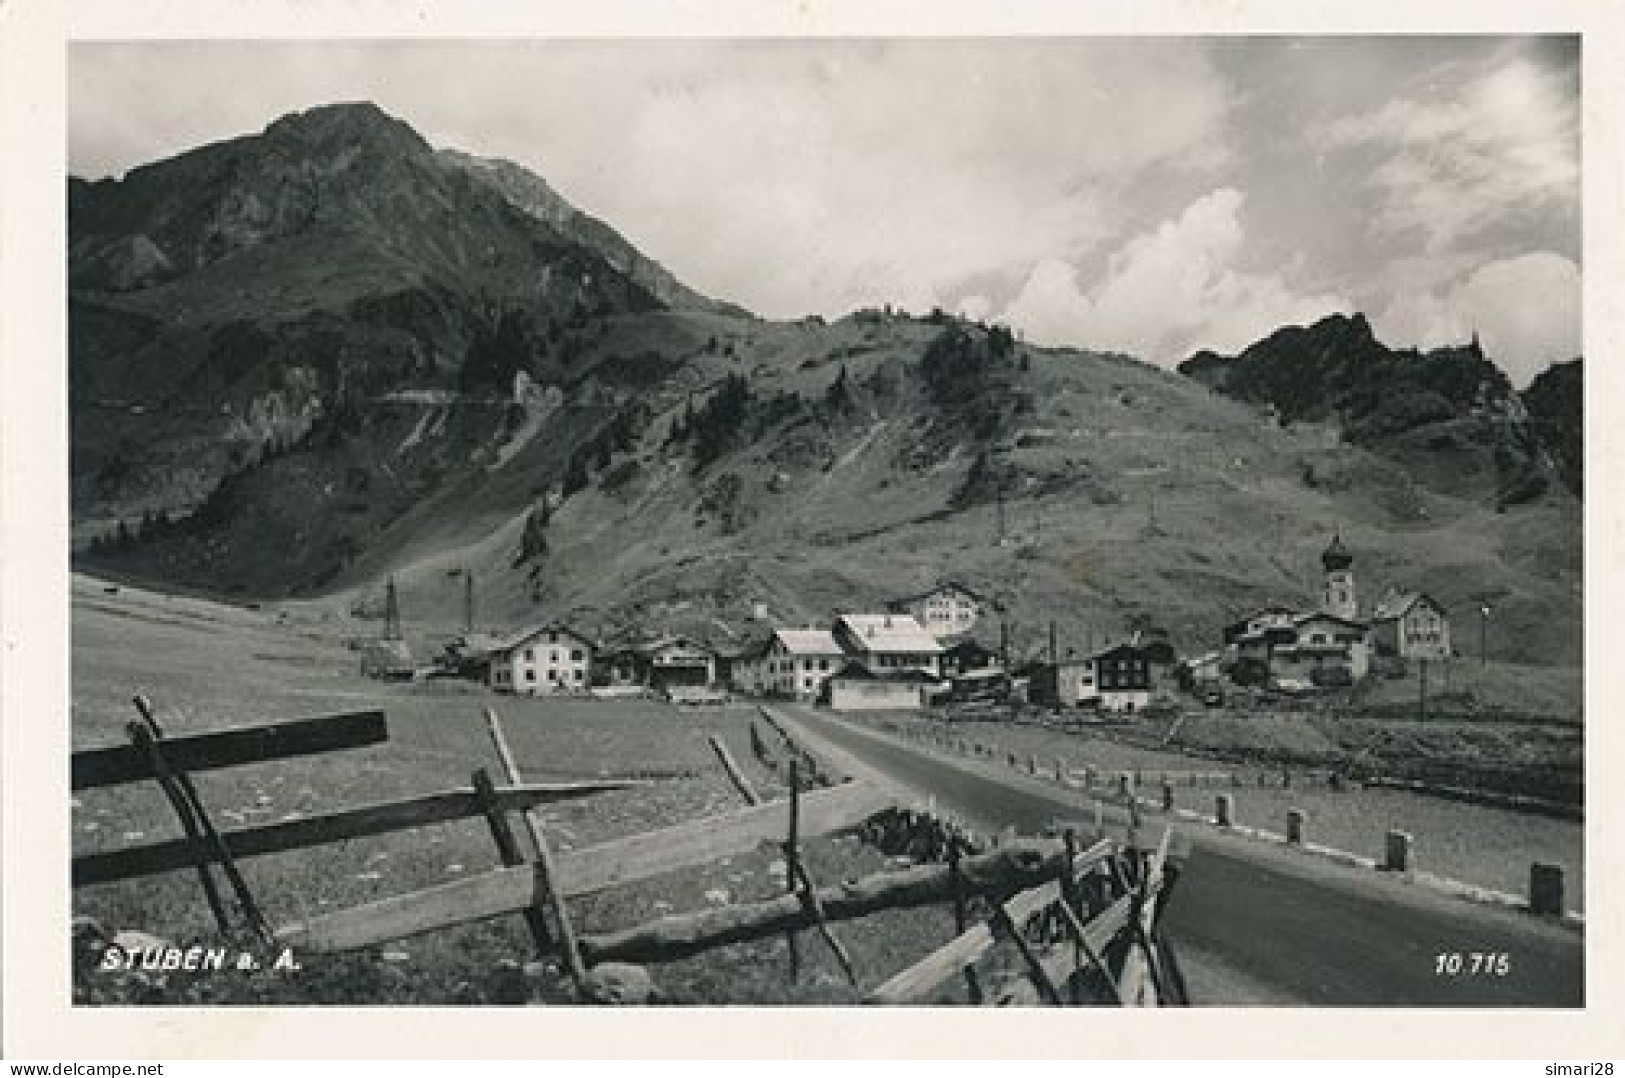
1080 925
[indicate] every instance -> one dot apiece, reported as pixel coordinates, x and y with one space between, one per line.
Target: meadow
206 666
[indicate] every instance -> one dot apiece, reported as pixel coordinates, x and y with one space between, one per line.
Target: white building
856 688
793 663
949 609
885 643
1411 625
542 661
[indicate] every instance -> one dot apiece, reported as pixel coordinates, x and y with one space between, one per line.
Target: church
1326 646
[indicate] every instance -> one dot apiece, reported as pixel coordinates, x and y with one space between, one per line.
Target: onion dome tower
1337 596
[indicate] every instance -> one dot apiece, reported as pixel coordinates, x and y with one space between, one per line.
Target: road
1300 930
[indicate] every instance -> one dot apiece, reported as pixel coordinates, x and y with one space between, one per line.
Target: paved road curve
1315 933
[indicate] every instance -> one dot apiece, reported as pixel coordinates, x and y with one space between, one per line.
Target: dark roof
1398 604
1120 650
678 641
854 671
513 640
1321 615
1336 556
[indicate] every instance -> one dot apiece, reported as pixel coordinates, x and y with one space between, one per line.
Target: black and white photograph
825 521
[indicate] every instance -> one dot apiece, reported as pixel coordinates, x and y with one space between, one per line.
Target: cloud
793 176
893 172
1526 311
1168 292
1446 166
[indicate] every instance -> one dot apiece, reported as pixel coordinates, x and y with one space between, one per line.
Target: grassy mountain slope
587 447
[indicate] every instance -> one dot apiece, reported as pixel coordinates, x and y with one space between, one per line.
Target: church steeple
1337 595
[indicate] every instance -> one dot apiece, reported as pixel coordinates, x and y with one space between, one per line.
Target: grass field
206 666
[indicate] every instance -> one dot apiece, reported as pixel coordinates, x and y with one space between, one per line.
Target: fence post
1222 814
508 850
1546 889
1060 771
547 874
1032 764
792 863
1294 826
973 986
1167 796
736 776
1123 784
1397 852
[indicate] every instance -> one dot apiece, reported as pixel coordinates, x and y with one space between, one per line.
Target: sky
1152 196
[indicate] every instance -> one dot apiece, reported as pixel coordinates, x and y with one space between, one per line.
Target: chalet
469 656
949 609
794 664
855 687
680 661
748 670
1114 679
621 668
969 656
1256 633
888 642
541 661
1323 641
388 660
1411 625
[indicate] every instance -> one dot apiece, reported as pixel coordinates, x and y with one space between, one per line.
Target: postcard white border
38 1023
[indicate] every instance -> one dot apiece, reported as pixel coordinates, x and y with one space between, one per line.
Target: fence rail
118 764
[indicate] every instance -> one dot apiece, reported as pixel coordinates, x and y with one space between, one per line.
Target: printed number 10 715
1472 964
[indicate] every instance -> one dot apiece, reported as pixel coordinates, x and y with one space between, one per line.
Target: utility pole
468 600
1054 654
1004 656
998 492
1422 689
392 611
1484 635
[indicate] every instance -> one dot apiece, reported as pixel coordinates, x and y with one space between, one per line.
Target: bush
1332 677
1250 672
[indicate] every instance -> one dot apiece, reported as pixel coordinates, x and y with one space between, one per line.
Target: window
552 675
530 653
552 638
576 675
553 656
823 664
530 675
575 653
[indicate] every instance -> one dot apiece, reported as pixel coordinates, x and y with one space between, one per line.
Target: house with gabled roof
542 660
680 661
1411 625
1116 678
888 642
791 663
946 610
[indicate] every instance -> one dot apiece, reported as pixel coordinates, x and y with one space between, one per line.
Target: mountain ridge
413 375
